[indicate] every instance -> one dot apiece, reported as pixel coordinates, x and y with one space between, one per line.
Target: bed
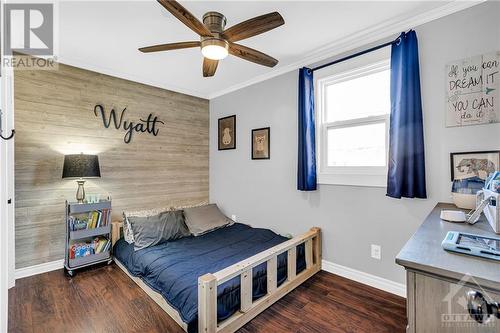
219 281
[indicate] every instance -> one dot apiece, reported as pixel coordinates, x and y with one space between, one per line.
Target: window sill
353 180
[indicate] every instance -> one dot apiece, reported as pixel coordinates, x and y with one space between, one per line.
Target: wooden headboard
116 231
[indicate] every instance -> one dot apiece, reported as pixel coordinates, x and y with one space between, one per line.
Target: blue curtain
306 172
406 176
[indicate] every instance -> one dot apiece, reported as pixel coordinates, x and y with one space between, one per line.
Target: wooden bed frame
207 284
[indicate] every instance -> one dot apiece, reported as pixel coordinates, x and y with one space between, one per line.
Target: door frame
7 227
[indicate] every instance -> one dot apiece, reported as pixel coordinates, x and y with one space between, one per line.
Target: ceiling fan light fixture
217 42
214 49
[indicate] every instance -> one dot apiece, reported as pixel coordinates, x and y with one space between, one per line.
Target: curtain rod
356 54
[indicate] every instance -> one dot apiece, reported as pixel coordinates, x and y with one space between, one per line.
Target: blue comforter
172 268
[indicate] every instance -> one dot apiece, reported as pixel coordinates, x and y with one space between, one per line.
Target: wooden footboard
207 284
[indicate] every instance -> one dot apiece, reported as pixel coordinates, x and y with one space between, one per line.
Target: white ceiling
104 36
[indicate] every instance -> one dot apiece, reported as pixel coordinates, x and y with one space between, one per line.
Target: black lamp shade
81 166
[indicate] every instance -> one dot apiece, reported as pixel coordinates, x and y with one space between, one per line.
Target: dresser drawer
441 306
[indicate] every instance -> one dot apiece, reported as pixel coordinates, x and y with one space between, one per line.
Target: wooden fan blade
253 27
170 46
183 15
209 67
252 55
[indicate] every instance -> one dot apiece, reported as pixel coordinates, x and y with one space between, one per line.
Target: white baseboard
39 269
365 278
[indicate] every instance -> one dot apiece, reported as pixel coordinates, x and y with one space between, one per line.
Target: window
353 124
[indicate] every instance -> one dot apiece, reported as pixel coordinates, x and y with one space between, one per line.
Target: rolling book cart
88 235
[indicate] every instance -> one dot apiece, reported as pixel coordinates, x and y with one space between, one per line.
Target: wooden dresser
438 281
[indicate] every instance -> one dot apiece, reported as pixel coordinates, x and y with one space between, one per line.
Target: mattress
172 268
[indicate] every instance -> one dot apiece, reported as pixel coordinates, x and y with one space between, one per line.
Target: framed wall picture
227 133
472 91
474 164
261 143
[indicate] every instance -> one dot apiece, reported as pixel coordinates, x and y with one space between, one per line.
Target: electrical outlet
376 252
234 218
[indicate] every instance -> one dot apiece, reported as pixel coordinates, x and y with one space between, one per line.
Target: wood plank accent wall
54 116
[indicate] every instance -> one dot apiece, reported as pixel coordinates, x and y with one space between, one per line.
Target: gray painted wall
263 193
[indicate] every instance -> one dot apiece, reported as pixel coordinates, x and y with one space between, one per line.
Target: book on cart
90 220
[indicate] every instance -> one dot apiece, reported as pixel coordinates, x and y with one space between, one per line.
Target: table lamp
79 166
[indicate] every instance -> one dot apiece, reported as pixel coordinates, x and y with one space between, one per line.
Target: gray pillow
203 219
154 229
127 229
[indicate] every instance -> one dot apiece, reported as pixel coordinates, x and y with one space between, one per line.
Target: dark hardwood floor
106 300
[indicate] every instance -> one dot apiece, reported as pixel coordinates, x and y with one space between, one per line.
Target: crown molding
127 76
390 28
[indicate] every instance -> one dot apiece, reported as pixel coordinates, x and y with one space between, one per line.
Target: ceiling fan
215 42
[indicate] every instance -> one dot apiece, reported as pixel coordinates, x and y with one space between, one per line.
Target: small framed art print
227 133
474 164
261 143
